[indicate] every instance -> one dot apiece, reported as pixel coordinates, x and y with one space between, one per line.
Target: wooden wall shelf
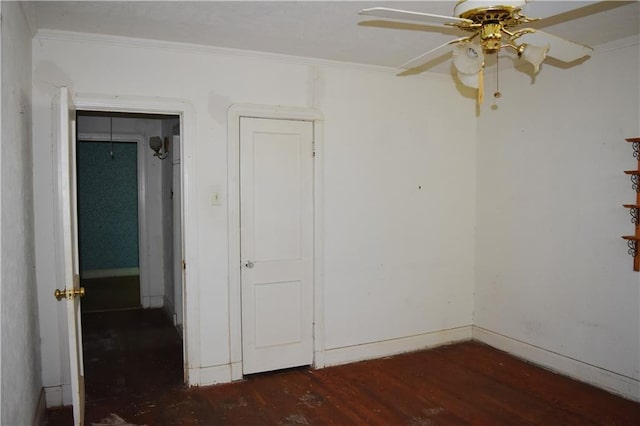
634 209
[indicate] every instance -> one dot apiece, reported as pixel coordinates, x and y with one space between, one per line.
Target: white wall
399 206
21 371
399 167
554 281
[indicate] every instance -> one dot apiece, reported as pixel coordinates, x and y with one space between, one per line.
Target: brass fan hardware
491 23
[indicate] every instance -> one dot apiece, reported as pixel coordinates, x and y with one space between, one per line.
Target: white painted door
276 243
65 144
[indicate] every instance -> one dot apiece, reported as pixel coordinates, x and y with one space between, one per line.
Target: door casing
233 194
189 232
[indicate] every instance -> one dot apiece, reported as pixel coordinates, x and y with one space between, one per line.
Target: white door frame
233 190
186 112
143 249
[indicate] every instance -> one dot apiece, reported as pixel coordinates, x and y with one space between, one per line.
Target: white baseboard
395 346
230 372
318 359
57 396
40 416
167 306
212 375
152 302
104 273
605 379
236 371
53 396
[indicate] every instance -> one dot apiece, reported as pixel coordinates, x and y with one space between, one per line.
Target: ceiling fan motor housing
489 19
491 34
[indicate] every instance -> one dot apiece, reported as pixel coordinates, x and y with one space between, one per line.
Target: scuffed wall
552 270
21 370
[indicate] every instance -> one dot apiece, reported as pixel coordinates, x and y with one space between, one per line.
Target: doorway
130 251
108 237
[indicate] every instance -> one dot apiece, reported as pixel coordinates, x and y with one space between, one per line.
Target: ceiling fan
493 25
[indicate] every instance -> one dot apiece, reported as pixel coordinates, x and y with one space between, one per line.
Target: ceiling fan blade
433 53
405 15
560 48
545 9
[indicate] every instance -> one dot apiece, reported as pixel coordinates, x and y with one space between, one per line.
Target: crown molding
120 41
622 43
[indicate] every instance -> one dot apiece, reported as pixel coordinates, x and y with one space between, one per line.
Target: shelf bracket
634 215
635 183
634 209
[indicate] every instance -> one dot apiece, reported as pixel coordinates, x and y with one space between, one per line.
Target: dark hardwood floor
135 374
111 293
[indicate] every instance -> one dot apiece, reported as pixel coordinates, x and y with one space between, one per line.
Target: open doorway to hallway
130 252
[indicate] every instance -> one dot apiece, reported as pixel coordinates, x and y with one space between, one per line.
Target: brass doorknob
68 294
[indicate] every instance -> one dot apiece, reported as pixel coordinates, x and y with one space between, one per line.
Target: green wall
107 205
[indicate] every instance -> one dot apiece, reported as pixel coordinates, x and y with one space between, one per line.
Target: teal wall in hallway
107 205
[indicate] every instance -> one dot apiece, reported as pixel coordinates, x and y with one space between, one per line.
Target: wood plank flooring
461 384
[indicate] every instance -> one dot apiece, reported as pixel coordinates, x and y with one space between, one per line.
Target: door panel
65 146
283 326
277 175
276 215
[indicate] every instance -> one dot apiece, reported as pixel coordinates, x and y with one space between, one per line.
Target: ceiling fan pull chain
481 85
497 94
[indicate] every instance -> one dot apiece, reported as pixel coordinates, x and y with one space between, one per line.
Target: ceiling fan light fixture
468 58
534 55
469 80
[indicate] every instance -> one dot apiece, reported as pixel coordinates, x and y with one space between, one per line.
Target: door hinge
313 148
184 264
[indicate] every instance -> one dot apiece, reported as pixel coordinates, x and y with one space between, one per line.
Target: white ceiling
330 30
